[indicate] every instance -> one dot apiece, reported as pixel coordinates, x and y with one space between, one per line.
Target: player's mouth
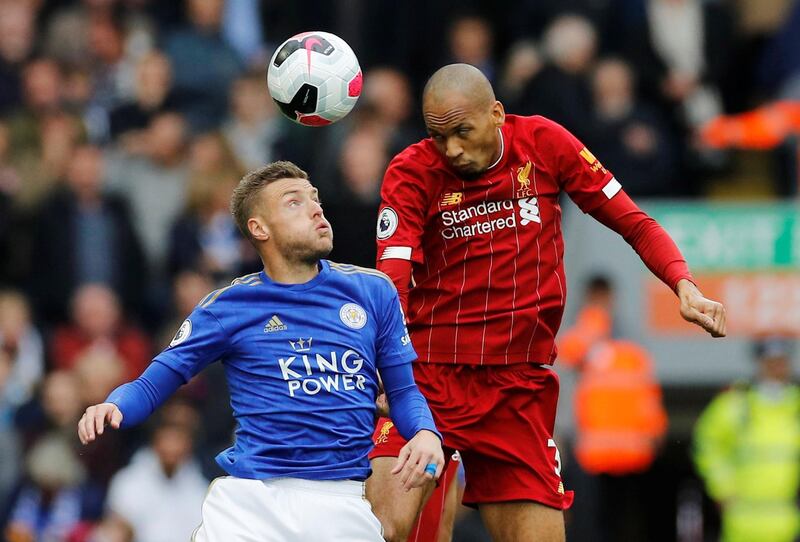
323 227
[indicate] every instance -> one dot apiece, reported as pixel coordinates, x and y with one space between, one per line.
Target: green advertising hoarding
733 237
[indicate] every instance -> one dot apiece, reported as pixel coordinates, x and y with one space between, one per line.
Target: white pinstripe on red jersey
465 253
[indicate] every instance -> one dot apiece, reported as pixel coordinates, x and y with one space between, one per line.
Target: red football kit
485 257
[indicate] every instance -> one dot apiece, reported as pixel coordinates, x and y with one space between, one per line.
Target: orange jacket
619 415
763 128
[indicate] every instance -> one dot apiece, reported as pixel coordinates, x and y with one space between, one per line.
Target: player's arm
401 222
409 409
200 341
661 255
597 192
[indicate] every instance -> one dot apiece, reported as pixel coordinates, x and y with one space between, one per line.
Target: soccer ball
314 78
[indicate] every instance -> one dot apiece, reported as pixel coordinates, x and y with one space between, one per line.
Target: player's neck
288 272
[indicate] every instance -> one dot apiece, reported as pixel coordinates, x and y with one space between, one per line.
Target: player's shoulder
534 125
367 276
220 296
419 157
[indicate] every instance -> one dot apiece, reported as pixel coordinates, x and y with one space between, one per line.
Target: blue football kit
301 362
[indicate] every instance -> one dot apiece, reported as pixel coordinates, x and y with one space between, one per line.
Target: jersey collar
322 276
502 149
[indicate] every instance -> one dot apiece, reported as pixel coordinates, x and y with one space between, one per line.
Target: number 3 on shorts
552 444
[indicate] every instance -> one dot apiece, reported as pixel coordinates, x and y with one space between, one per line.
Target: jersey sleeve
401 218
200 341
580 174
393 341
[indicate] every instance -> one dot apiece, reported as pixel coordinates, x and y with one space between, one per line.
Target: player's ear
498 114
258 230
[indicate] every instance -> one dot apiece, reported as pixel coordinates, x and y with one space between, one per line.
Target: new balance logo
274 324
452 198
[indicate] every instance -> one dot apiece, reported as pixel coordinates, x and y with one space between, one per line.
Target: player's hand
696 309
94 420
424 449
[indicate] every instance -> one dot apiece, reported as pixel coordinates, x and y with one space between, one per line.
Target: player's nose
452 149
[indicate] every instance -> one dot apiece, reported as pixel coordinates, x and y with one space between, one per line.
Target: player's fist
696 309
94 421
415 457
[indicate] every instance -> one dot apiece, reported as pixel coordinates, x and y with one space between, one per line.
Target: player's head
278 209
774 357
463 118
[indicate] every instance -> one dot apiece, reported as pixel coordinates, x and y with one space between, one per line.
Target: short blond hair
245 194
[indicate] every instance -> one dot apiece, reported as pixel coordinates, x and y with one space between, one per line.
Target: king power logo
309 374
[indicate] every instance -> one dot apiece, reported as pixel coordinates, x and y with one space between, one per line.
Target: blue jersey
301 363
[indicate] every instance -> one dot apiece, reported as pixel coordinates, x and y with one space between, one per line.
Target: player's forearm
141 397
408 409
650 241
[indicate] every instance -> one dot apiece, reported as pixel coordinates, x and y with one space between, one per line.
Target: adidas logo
274 324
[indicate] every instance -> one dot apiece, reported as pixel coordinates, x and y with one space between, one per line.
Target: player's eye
464 131
437 137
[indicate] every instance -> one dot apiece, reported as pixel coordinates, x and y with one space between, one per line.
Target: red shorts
501 420
387 444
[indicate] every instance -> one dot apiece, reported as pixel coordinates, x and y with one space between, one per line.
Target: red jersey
487 254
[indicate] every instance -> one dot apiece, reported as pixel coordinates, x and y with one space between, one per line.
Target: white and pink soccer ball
314 78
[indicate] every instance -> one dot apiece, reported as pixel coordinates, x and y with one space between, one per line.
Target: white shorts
287 510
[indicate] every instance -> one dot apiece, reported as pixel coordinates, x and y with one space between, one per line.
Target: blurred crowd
124 125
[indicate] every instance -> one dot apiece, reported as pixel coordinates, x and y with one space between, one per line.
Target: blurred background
124 125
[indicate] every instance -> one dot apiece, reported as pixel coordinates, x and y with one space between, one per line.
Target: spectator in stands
153 94
10 451
387 92
98 325
619 423
632 138
204 65
354 204
41 136
153 179
747 449
471 41
111 72
17 34
523 62
780 65
205 237
560 90
160 493
83 235
188 288
681 50
22 343
53 501
253 129
60 401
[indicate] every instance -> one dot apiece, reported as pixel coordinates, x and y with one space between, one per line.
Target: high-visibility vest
747 450
619 414
592 325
